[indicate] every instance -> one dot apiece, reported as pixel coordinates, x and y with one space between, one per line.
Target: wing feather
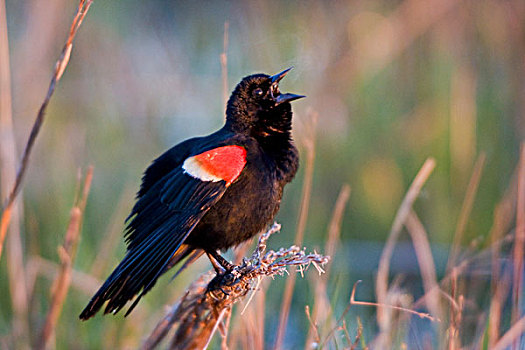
160 222
165 214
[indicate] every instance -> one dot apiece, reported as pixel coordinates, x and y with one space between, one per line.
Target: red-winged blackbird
207 193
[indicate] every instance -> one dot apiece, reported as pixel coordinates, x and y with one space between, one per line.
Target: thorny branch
209 299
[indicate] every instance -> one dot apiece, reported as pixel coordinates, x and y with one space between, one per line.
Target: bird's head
257 104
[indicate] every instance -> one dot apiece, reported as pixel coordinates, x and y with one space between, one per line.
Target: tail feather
160 222
193 254
137 274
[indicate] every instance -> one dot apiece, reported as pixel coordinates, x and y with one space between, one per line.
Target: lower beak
286 98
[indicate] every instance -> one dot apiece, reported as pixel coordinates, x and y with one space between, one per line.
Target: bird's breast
247 207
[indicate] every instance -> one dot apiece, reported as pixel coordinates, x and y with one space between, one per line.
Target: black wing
159 223
164 164
174 157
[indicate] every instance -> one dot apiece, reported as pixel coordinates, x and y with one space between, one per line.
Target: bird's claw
225 279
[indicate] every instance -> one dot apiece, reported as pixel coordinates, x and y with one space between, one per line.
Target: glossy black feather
162 220
179 217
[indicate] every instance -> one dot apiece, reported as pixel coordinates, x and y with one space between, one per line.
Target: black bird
207 193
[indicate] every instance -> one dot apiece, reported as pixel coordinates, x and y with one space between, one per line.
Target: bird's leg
216 266
218 261
226 273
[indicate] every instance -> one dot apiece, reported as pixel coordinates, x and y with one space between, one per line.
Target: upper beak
283 97
277 77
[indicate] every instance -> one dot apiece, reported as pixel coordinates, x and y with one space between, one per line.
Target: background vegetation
391 83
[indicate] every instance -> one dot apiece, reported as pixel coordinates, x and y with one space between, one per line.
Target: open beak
277 96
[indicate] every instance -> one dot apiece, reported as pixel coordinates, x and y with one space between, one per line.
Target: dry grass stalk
357 336
223 329
60 66
16 272
503 215
67 254
314 327
321 302
309 144
426 262
344 328
208 299
248 332
482 256
401 216
336 327
368 303
249 329
500 286
511 336
37 266
519 244
455 314
466 209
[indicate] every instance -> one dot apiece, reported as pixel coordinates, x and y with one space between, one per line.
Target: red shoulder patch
221 163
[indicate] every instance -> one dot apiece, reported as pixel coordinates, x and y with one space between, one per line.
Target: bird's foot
227 274
222 280
219 263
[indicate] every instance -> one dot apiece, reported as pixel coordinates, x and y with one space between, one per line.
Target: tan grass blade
309 144
67 253
400 218
60 67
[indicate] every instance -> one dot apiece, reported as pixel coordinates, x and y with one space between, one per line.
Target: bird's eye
257 92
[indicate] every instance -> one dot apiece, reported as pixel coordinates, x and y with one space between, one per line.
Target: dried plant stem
512 335
519 244
334 229
339 321
183 309
368 303
207 300
16 272
357 337
224 330
81 281
67 253
466 209
426 262
503 215
60 66
249 330
313 327
309 144
498 295
455 313
399 220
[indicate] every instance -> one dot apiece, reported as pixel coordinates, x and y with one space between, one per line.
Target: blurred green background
392 82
